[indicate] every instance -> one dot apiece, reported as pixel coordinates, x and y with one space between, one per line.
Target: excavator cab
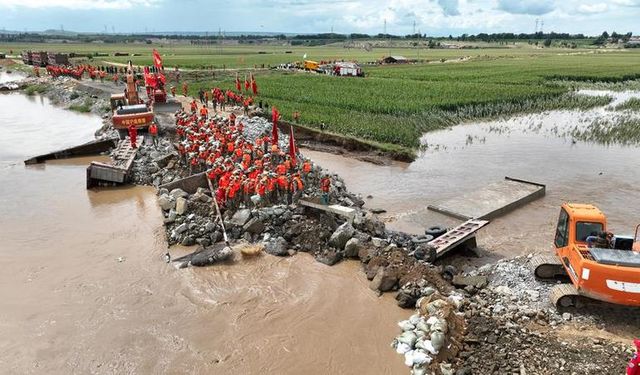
605 270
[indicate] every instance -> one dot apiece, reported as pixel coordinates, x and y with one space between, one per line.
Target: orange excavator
599 265
128 108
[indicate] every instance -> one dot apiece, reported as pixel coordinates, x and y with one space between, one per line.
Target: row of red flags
248 84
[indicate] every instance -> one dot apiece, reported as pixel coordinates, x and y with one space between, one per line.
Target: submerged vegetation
620 130
632 104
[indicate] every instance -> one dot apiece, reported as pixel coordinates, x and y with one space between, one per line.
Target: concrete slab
492 201
343 211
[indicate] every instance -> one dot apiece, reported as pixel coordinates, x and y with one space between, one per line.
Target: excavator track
564 295
547 267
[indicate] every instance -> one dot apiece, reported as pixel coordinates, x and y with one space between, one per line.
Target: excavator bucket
169 106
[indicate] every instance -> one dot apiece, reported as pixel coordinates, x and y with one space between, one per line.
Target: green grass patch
85 107
35 89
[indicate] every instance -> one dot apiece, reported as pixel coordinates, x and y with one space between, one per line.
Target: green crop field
394 105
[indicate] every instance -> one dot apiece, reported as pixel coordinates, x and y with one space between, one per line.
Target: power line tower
542 26
537 21
414 27
385 26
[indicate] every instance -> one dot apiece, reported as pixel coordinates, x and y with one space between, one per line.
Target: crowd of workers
243 172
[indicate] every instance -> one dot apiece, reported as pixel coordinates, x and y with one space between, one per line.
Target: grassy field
395 105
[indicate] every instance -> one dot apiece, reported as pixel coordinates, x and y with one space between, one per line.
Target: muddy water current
532 147
84 288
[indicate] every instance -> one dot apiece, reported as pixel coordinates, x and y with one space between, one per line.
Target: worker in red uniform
634 364
153 131
325 187
133 135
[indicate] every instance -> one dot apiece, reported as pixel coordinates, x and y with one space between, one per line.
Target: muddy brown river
85 289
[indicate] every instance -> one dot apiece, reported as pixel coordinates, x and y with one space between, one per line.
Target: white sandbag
440 326
437 340
420 357
408 338
414 319
408 358
402 348
406 325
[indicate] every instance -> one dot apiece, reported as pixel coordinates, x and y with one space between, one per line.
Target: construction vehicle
155 82
609 273
128 108
311 65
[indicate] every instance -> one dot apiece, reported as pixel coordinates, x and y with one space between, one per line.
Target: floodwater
471 156
85 290
8 77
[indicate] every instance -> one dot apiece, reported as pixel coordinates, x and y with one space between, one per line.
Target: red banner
274 131
157 60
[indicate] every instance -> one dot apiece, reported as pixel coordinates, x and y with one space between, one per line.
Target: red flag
292 147
254 85
274 132
238 83
246 84
157 60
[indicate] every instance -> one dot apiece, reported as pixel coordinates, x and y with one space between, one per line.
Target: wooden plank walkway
492 201
457 236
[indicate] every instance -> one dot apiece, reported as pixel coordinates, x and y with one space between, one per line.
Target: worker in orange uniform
325 187
184 89
115 78
153 131
36 71
296 187
173 91
194 106
133 135
204 112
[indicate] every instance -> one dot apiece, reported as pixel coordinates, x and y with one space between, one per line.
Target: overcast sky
433 17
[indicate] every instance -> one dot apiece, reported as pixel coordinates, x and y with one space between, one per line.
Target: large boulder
329 257
240 217
384 280
351 248
341 235
254 226
166 203
181 206
179 193
277 247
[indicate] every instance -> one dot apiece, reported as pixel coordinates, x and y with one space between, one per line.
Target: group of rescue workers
243 172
